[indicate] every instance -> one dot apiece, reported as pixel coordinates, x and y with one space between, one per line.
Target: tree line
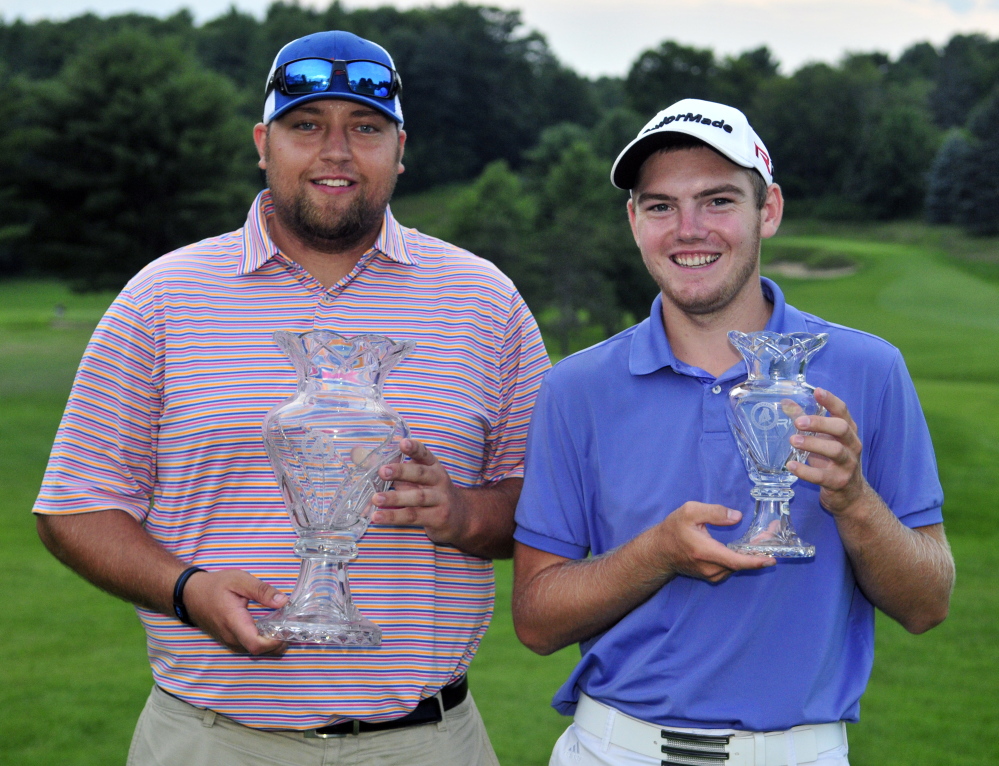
129 135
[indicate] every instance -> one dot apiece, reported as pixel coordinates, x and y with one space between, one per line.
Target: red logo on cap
765 157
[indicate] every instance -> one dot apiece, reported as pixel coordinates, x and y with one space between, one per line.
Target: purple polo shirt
623 433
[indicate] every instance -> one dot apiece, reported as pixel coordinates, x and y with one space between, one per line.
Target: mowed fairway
74 676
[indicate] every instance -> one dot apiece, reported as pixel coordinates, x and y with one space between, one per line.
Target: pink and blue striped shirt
164 422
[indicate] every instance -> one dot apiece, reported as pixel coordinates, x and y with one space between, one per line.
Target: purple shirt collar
650 349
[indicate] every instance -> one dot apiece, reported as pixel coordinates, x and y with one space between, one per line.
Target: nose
336 145
691 226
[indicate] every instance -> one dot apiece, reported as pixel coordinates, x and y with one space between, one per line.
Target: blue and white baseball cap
722 127
333 65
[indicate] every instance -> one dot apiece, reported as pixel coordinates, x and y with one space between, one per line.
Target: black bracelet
178 595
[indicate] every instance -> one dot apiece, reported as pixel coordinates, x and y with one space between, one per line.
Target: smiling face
331 166
697 224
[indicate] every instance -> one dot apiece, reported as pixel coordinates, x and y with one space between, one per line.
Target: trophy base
321 610
318 629
776 550
771 533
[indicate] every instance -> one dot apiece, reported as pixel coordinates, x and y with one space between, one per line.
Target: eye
659 207
367 128
721 201
305 125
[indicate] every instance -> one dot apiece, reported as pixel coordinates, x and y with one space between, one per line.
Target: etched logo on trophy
764 416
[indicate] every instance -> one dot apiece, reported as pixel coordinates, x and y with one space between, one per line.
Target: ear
260 139
402 147
631 219
772 212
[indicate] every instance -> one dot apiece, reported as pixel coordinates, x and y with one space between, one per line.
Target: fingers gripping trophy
762 411
326 444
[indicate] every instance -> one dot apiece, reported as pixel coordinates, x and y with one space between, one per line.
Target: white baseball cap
722 127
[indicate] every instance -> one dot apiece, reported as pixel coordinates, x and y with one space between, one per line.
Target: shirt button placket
715 406
321 320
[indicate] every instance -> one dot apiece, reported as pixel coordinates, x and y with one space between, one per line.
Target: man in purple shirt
693 654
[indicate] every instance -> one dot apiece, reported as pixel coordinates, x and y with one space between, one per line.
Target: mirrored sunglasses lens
369 79
307 76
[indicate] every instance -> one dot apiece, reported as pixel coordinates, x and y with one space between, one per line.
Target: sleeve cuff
66 501
549 544
922 518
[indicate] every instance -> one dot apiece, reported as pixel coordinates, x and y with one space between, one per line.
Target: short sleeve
553 508
899 462
523 361
104 455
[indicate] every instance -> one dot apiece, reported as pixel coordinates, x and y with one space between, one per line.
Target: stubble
719 300
333 230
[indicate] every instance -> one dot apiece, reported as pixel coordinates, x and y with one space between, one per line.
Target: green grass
75 674
74 671
933 699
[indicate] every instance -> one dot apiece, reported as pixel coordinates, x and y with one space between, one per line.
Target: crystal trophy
326 444
761 413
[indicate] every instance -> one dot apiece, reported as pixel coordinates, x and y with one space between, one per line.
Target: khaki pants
171 732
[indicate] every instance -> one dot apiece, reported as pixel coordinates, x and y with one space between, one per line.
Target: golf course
74 676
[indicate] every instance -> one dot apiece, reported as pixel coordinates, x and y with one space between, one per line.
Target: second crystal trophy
326 444
762 411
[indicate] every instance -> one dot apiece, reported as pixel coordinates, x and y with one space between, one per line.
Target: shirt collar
650 349
258 248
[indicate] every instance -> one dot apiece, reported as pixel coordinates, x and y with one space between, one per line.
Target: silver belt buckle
315 734
683 749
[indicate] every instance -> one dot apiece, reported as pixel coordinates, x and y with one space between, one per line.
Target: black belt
427 711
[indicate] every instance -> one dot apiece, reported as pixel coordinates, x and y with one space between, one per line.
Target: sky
603 37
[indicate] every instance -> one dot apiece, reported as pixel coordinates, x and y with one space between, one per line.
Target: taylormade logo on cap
722 127
689 117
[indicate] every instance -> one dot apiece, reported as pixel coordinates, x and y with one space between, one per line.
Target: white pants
577 747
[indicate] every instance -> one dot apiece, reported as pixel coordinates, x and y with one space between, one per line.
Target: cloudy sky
604 36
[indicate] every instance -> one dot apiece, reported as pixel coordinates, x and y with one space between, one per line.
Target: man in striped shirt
159 464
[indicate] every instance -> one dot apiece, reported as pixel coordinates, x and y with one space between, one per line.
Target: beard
327 231
725 293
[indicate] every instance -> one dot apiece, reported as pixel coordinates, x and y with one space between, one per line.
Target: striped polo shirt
164 422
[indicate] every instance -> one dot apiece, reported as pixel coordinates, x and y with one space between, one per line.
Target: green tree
494 218
920 61
739 78
672 71
475 88
233 45
978 195
616 129
135 150
812 122
664 75
944 183
584 238
608 92
15 213
897 143
969 69
40 50
551 146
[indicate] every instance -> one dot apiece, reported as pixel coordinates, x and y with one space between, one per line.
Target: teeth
695 260
333 182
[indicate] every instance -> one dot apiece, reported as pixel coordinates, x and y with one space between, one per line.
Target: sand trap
804 271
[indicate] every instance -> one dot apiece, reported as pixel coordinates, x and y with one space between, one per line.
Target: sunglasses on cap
313 75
